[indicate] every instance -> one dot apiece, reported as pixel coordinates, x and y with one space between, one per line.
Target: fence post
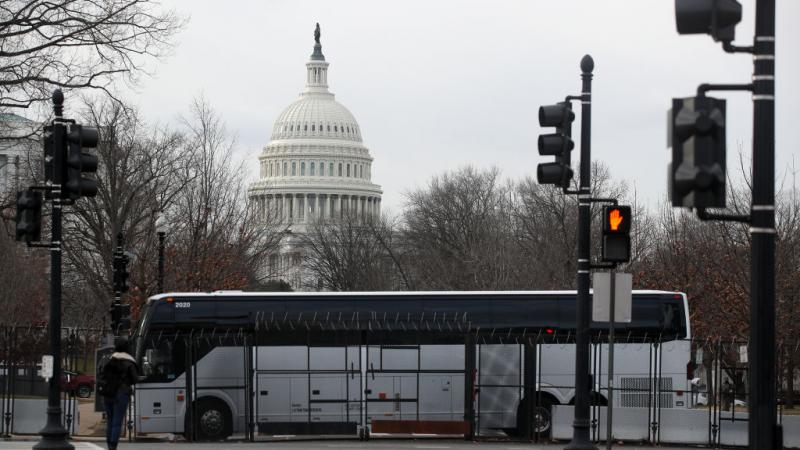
469 385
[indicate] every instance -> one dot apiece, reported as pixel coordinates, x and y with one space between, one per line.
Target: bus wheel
541 421
213 421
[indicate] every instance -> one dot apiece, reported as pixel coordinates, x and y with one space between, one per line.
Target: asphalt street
319 445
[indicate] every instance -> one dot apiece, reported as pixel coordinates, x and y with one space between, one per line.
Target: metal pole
54 435
763 431
161 236
610 402
118 253
580 425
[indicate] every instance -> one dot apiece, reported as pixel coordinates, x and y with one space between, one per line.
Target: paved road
320 445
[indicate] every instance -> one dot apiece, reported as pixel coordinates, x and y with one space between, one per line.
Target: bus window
159 360
526 313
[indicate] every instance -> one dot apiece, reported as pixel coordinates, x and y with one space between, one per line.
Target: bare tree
459 229
546 223
546 226
23 281
217 240
77 44
139 174
353 253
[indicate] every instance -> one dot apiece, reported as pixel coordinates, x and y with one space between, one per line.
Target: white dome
316 115
315 166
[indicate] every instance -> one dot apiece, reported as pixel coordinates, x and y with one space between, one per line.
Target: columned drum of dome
315 164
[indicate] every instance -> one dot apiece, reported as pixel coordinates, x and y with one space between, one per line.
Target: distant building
315 166
19 138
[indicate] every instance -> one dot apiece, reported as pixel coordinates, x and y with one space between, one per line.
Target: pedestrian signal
616 243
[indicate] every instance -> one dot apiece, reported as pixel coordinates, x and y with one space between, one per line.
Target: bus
366 362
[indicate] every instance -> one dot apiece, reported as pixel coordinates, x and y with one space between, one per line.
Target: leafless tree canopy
459 229
217 240
138 176
469 231
353 253
23 281
77 44
213 238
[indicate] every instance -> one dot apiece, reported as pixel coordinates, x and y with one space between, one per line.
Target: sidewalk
378 444
28 444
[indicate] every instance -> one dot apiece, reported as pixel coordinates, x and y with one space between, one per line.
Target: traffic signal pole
580 425
764 433
54 435
718 19
117 283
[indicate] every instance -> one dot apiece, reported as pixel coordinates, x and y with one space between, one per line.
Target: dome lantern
317 68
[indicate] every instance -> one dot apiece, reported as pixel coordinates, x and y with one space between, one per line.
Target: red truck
82 385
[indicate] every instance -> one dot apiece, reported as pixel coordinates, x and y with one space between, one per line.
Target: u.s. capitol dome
315 165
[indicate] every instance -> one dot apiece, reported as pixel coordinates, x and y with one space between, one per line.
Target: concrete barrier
676 426
30 415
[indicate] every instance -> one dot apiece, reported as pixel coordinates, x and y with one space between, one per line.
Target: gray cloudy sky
439 84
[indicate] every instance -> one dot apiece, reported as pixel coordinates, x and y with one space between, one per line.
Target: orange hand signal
615 219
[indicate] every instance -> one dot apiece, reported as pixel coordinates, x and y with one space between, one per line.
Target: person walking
118 376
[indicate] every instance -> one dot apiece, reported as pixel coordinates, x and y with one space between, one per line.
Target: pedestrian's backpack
110 379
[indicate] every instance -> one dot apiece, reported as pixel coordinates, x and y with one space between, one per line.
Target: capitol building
315 167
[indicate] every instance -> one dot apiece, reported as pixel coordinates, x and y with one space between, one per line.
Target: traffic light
120 316
696 133
120 272
558 144
79 163
29 215
616 246
54 153
715 17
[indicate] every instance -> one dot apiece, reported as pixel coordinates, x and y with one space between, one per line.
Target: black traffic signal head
55 154
715 17
29 215
120 271
78 163
558 144
696 134
616 244
120 316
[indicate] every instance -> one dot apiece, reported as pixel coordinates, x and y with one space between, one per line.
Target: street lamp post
580 425
161 231
763 430
54 435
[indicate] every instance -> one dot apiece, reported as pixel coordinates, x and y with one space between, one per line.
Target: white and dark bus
341 363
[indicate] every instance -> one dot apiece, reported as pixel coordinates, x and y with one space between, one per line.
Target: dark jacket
124 367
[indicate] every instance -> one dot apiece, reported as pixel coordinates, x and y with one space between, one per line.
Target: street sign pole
610 402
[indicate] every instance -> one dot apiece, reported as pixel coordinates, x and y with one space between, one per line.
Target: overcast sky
439 84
